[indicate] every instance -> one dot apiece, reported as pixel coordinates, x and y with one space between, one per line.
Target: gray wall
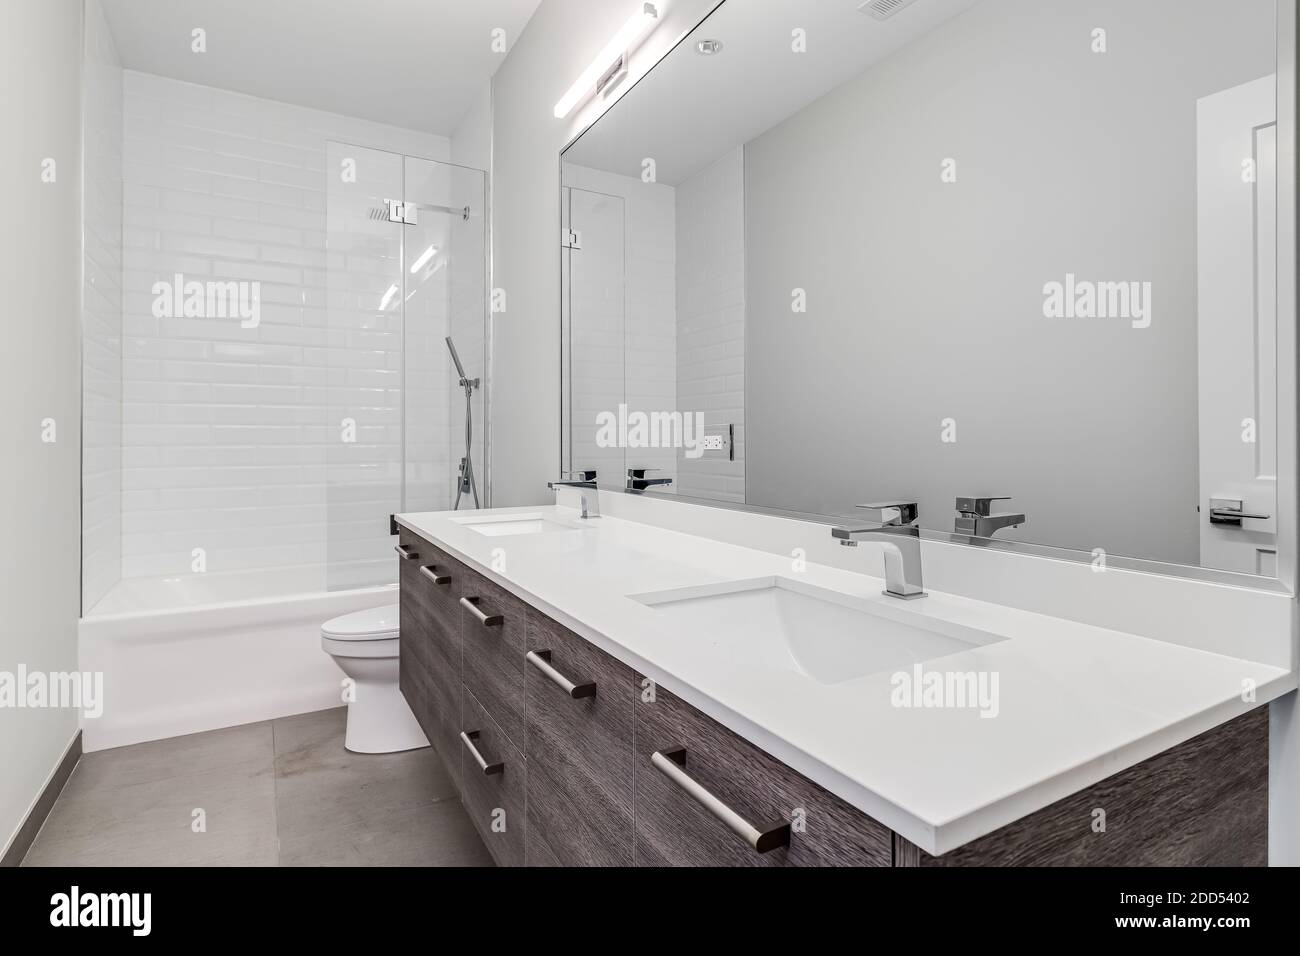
40 273
925 298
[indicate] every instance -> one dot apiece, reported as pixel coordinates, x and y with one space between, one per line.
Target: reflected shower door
593 290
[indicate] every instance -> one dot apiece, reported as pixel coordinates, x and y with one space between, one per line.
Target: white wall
101 520
227 430
711 321
558 44
925 298
40 265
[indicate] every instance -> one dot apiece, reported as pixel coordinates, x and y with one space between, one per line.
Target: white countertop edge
933 839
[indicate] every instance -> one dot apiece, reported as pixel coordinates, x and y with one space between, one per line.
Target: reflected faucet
974 517
896 531
588 494
637 480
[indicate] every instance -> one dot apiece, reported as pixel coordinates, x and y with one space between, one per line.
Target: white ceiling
412 63
692 109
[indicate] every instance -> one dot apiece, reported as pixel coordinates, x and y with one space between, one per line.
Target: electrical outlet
714 443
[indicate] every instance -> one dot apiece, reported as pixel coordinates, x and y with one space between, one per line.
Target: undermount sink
826 636
511 525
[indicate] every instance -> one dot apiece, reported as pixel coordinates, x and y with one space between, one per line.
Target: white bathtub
203 651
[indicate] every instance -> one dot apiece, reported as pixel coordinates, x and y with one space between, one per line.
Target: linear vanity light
620 46
388 297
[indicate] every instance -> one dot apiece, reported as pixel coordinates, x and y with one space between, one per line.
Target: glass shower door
395 429
445 297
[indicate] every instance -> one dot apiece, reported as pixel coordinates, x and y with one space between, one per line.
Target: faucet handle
892 512
640 472
980 507
584 474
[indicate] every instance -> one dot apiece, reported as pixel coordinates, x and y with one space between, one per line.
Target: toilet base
379 719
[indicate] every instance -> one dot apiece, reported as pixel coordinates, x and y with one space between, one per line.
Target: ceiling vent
882 9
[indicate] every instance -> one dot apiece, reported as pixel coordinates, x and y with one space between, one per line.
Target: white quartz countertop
1076 703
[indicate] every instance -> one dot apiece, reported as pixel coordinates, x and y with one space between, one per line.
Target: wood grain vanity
565 756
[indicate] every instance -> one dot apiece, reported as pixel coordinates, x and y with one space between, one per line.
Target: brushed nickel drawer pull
670 763
487 620
430 571
542 661
468 737
405 553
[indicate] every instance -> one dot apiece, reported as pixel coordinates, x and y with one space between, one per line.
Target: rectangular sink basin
510 525
824 635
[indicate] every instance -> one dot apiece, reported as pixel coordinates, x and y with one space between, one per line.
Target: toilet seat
372 624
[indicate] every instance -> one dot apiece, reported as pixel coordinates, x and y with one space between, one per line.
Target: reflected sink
824 635
511 525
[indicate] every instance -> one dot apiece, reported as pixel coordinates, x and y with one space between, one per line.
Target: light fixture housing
619 46
708 47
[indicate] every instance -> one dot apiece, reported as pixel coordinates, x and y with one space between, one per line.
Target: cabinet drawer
579 750
675 829
493 627
493 796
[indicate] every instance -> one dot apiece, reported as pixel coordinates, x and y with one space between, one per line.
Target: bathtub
198 652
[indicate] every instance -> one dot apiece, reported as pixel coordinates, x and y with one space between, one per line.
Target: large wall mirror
950 251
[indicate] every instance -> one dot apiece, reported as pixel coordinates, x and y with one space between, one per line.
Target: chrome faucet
637 481
974 517
897 533
585 485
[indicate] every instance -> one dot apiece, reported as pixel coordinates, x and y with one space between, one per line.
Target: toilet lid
372 624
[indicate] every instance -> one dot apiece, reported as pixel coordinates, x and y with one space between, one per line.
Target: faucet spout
900 539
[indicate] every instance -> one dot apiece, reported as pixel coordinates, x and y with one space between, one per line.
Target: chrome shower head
451 347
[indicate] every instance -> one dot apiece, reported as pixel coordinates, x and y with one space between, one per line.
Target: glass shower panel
362 433
395 434
594 301
444 297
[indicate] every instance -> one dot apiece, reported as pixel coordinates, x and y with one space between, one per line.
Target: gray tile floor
282 792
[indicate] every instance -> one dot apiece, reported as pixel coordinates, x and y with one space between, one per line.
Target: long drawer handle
670 763
467 738
542 661
430 571
487 620
405 553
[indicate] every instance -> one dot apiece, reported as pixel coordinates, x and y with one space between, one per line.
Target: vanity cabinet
565 756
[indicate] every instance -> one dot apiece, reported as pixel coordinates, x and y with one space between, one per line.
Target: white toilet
364 645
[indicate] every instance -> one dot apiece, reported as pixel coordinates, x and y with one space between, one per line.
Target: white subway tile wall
711 320
101 487
226 430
